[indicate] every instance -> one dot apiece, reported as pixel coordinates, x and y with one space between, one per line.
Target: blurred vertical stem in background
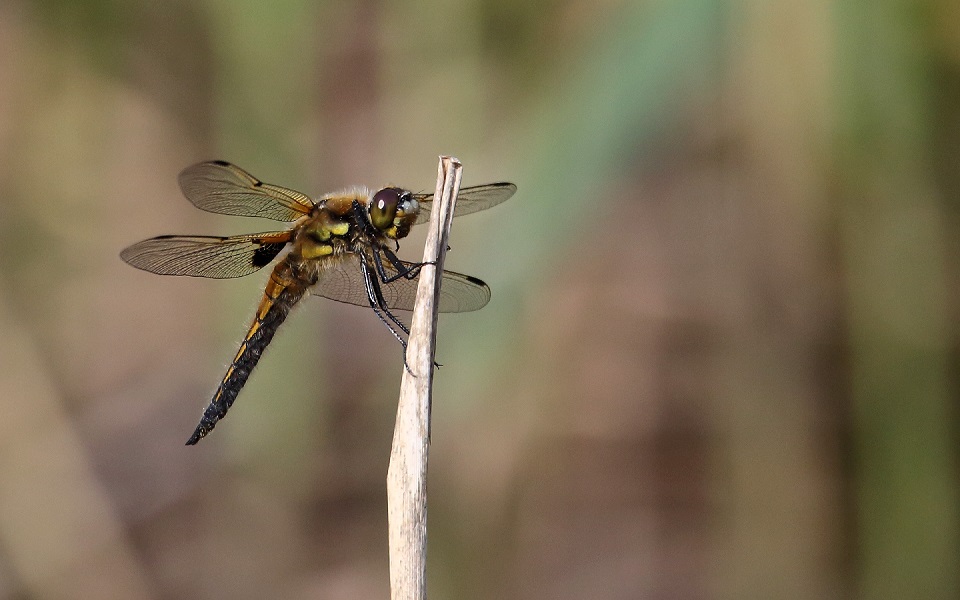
893 238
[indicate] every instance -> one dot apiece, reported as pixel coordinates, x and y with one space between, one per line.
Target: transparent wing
343 281
470 199
220 187
206 256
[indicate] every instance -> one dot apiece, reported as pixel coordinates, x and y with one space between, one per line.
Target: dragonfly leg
376 286
372 283
380 308
407 271
379 305
360 215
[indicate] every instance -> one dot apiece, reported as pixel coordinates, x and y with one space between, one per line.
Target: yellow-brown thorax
334 226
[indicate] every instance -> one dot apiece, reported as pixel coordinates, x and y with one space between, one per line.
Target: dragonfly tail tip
197 436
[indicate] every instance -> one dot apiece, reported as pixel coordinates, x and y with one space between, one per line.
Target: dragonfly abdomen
283 291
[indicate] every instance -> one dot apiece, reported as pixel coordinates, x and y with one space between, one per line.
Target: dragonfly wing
343 281
462 293
220 187
206 256
470 199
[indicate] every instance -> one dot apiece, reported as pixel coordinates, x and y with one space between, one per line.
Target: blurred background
719 362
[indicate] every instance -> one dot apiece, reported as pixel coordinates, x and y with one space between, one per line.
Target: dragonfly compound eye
384 207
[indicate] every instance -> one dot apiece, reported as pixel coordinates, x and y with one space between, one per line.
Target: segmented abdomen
283 291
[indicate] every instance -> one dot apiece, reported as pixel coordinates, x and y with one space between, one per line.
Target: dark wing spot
475 280
222 163
265 253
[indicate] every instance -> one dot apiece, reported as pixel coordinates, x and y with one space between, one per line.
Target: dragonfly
341 246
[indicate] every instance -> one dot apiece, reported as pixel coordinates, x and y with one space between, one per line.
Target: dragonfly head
393 211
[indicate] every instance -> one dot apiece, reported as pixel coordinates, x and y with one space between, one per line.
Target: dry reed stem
407 474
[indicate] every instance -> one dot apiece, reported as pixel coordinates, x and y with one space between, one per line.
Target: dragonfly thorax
322 235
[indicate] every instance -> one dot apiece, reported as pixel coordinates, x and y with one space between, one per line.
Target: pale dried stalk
407 474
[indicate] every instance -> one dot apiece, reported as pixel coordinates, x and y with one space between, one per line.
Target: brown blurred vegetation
720 360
